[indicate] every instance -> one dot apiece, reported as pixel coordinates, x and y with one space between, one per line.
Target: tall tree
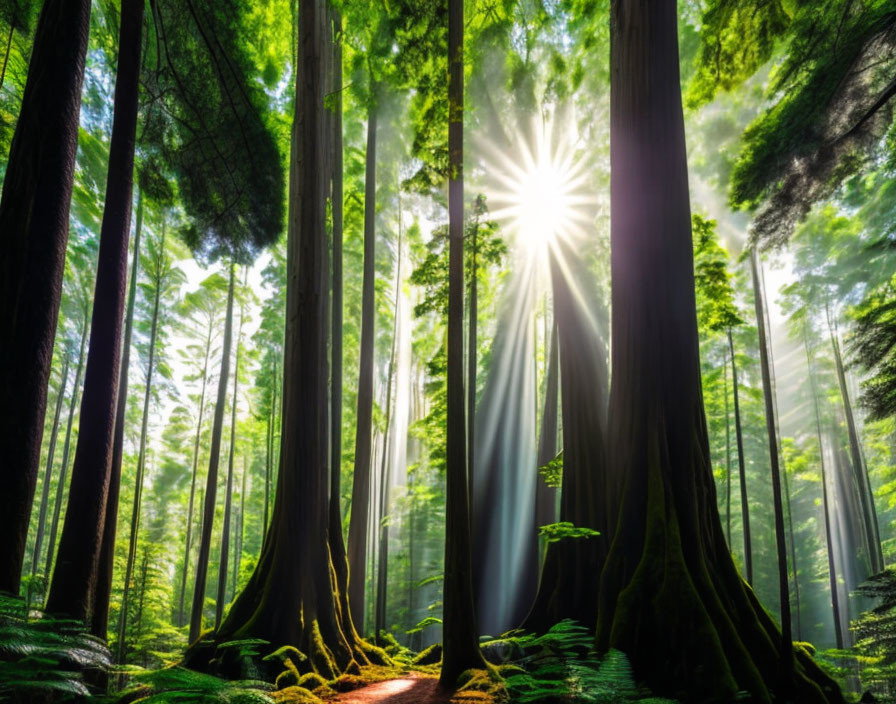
290 597
34 211
74 583
545 496
211 485
228 495
100 621
357 531
670 595
460 643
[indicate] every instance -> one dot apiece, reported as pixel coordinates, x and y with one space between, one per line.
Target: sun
539 189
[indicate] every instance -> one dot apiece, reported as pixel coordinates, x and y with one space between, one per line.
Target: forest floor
414 688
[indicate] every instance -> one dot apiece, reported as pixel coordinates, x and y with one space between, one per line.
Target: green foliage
176 685
561 666
555 532
45 657
552 472
716 308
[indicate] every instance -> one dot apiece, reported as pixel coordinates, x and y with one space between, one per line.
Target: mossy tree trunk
74 583
290 597
460 642
670 595
545 496
34 215
571 571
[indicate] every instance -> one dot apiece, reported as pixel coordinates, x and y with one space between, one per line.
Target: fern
45 658
178 685
561 666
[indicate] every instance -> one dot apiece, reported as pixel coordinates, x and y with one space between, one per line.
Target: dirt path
412 689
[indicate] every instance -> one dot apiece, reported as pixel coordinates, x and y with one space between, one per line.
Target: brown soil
412 689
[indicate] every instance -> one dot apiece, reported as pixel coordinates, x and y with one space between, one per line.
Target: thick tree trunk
228 495
670 595
141 464
48 475
290 596
829 544
194 475
472 362
74 582
460 642
34 210
100 620
357 530
786 650
741 467
66 447
211 484
571 572
869 512
546 496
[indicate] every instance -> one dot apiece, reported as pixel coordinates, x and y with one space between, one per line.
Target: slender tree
460 643
786 650
74 583
66 447
670 595
357 530
211 485
545 496
228 495
100 620
34 216
741 465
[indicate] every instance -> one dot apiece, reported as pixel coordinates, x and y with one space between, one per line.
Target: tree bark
194 474
786 651
741 466
670 595
63 471
74 582
472 362
238 547
228 496
727 456
211 485
141 458
34 214
460 642
357 530
100 621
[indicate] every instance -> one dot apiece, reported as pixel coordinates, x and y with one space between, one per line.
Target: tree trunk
100 621
269 452
357 530
194 475
51 454
290 596
460 642
238 548
63 471
34 215
670 595
141 465
383 559
787 504
211 485
741 466
228 496
869 512
571 572
545 496
727 456
832 569
74 582
472 362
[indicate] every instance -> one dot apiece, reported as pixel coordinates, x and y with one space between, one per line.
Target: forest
430 351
